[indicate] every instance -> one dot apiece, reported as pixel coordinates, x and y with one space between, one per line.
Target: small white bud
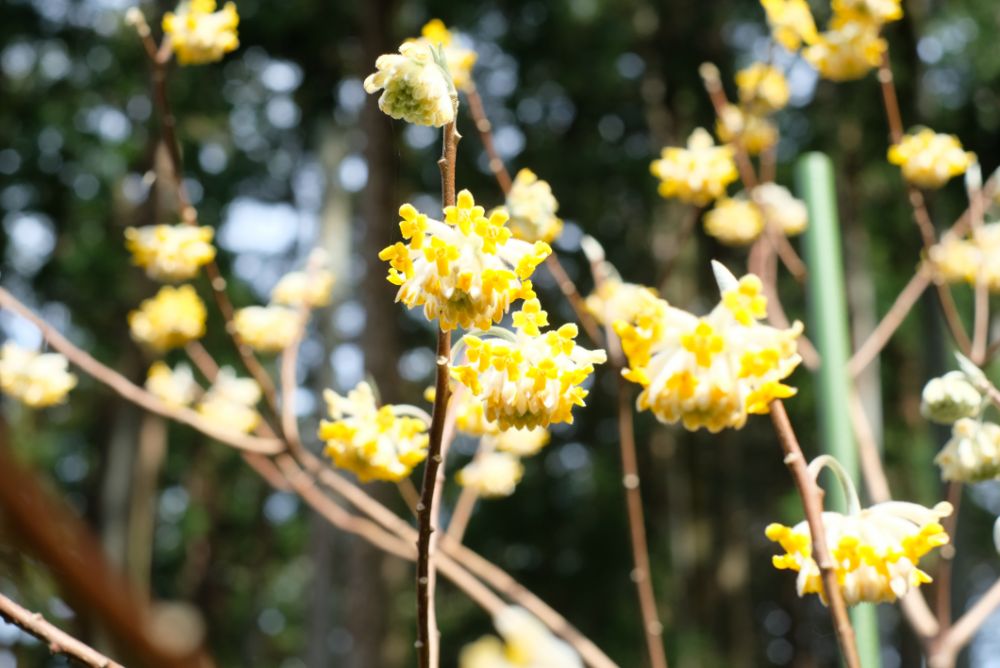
950 398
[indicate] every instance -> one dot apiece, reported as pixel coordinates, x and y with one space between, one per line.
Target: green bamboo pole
827 327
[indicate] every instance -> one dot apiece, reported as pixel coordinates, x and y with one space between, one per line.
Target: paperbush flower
532 208
299 287
36 379
791 21
176 387
170 252
527 378
734 222
879 11
375 443
230 403
753 132
615 300
521 442
848 50
875 551
526 643
973 452
492 474
171 319
963 260
762 87
949 398
199 34
415 87
781 208
929 159
698 173
465 271
460 60
711 371
267 329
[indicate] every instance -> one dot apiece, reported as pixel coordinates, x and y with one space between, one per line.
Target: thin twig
959 635
868 453
895 316
485 130
943 579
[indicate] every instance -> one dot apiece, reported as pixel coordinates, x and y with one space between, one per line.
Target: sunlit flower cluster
175 387
698 173
532 208
521 442
36 379
950 398
313 288
492 474
714 370
526 643
879 11
973 452
966 259
762 88
754 132
791 21
175 316
465 271
267 329
170 252
781 208
230 403
614 299
199 34
460 60
375 443
875 551
415 86
929 159
734 221
527 378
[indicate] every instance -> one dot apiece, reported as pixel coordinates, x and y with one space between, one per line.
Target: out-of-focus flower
170 252
521 442
875 551
171 319
464 271
312 287
929 159
532 208
267 329
762 87
734 221
963 260
492 474
199 34
375 443
527 378
781 208
973 452
698 173
878 11
615 300
715 370
229 403
526 643
176 387
460 60
35 379
791 21
753 132
848 50
949 398
415 87
470 416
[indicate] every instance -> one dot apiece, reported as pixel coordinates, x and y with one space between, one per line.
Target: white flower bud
972 454
415 86
950 398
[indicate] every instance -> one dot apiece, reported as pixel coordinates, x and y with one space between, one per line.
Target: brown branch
958 636
812 504
895 316
717 95
868 453
485 130
568 288
942 579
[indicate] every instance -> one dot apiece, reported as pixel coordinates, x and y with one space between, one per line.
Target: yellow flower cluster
199 34
375 443
492 474
762 88
754 132
460 60
781 208
711 371
170 252
929 159
230 403
739 221
791 21
614 299
698 173
171 319
313 288
973 452
532 208
875 551
879 11
36 379
526 643
175 387
962 259
415 87
527 378
267 329
465 271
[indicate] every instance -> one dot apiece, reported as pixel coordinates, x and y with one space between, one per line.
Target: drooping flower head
762 87
527 378
415 85
267 329
230 403
36 379
950 398
698 173
754 132
714 370
171 319
734 221
176 387
460 60
199 34
375 443
492 474
465 271
929 159
526 643
532 208
848 50
791 21
170 252
973 452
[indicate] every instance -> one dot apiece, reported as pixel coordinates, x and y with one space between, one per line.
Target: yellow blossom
526 643
734 222
521 442
532 208
613 299
465 271
460 60
375 443
170 252
198 34
962 260
698 173
176 387
230 403
791 22
762 87
171 319
36 379
972 454
848 50
492 474
527 378
415 87
879 11
929 159
313 287
781 209
711 371
267 329
753 132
